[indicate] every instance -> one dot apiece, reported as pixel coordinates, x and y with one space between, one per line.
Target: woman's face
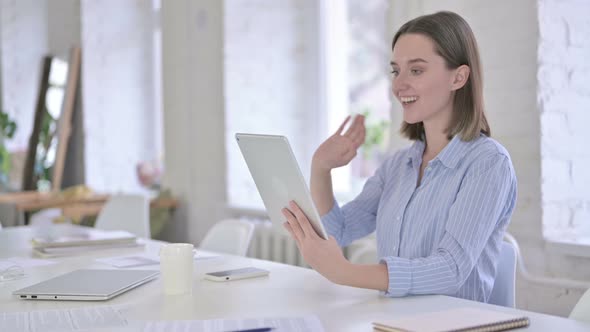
421 81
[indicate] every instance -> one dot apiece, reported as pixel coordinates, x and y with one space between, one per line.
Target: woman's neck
436 140
435 132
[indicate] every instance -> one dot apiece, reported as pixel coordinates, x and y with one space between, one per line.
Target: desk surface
288 291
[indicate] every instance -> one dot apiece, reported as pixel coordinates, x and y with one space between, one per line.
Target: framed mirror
46 151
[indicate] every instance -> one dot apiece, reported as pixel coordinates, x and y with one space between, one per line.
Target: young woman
440 207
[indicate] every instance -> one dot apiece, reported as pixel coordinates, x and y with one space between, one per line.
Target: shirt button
398 218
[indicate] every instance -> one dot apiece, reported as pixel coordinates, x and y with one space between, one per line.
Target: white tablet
278 178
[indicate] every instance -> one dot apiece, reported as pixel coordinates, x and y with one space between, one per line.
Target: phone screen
234 272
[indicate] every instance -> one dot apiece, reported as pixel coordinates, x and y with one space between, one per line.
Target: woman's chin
411 116
411 119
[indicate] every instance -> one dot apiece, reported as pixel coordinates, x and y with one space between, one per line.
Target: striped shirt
443 236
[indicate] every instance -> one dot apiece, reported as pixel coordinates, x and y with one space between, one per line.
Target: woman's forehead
413 46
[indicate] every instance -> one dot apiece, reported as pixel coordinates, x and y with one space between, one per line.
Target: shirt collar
415 153
449 156
453 152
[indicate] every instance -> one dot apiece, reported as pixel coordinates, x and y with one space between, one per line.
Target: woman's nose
400 83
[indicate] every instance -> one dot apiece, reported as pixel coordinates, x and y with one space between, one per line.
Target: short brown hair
455 42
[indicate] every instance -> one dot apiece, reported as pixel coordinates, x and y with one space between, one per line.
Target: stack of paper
105 318
112 318
82 241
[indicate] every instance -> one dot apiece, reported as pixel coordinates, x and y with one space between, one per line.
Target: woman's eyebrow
393 63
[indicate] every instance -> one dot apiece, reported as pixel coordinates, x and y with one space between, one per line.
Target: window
297 69
357 54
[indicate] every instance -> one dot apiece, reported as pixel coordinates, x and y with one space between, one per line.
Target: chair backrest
126 212
582 309
365 253
503 292
231 236
45 217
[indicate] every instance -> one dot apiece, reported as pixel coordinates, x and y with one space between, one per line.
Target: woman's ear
461 77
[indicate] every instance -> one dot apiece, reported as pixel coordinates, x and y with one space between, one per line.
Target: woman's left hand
324 256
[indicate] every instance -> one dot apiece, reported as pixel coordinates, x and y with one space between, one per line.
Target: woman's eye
416 71
395 72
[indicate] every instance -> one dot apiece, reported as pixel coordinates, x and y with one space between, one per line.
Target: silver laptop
87 285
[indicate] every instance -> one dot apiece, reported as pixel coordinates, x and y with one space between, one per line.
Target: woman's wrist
374 276
344 274
317 167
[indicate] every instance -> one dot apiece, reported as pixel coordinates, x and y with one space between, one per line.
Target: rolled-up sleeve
357 218
484 203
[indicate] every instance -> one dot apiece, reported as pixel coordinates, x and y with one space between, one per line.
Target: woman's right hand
339 149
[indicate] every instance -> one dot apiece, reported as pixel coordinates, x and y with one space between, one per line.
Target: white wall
23 45
118 91
63 26
270 81
564 102
192 52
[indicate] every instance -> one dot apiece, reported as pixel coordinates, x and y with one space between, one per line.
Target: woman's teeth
408 100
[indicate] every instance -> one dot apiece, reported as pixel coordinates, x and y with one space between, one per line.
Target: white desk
288 291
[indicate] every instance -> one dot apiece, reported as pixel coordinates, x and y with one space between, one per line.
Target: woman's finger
356 127
360 139
354 136
295 227
341 128
290 230
350 154
303 220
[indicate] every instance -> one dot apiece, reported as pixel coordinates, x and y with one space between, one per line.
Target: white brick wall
23 44
118 91
564 102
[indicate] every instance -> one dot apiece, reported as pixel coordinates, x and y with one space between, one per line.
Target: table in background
74 207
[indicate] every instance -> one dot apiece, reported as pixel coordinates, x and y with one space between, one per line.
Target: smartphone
247 272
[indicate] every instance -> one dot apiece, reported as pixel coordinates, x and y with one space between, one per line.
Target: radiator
270 243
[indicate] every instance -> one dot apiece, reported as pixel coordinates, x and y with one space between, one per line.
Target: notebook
84 237
460 319
53 252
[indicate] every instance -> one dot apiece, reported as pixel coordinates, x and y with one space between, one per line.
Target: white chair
582 309
230 236
45 217
126 212
363 252
503 292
